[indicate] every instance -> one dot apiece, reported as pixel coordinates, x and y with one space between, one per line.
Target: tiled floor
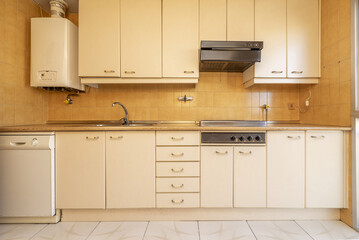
183 230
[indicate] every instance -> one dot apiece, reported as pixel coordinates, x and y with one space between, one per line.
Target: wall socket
291 106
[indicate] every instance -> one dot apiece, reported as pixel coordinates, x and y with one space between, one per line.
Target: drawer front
178 138
177 169
177 154
177 200
166 185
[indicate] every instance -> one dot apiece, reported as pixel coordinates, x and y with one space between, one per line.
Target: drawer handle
277 71
17 143
297 72
177 154
188 72
318 137
177 138
245 153
177 186
130 72
293 137
109 71
222 153
116 138
177 170
92 138
177 201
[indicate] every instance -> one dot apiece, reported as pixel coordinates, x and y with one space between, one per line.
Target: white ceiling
73 5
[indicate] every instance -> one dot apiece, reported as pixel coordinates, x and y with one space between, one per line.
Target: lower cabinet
130 169
80 170
286 167
216 177
250 176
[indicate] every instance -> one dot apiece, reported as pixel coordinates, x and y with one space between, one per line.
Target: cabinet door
141 38
213 22
240 20
180 38
217 177
303 38
80 170
324 169
130 169
270 27
99 38
285 169
250 176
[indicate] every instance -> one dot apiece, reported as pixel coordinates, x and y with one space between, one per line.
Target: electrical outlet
291 106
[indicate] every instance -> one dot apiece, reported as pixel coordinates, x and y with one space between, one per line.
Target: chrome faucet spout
125 119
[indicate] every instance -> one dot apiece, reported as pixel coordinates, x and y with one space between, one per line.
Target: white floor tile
66 231
328 230
278 230
19 231
172 231
119 231
225 230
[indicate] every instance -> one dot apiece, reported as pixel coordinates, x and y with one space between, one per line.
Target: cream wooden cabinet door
285 169
250 177
303 38
180 38
99 38
130 169
240 20
270 27
80 170
324 169
213 22
141 38
216 176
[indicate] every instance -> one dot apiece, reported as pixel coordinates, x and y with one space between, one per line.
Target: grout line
255 236
38 231
98 223
304 230
144 234
199 232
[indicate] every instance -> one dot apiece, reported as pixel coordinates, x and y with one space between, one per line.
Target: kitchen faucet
125 119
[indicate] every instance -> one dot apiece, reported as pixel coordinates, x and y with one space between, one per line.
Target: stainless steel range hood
229 56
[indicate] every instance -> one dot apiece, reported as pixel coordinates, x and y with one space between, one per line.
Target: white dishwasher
27 175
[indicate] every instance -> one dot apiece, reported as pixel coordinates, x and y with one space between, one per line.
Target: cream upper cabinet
240 20
270 27
99 38
324 169
250 177
80 170
303 38
285 169
130 169
141 38
180 38
216 176
212 20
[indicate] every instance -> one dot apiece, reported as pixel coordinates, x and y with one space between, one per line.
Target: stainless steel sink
232 123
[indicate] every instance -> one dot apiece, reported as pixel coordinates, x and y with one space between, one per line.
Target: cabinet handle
177 201
318 137
177 138
130 72
297 72
92 138
188 71
245 153
177 154
177 186
277 71
222 153
109 71
293 137
116 138
177 170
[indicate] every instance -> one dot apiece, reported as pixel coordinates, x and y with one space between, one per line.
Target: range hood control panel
233 137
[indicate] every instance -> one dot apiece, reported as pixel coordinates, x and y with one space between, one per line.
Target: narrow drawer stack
177 169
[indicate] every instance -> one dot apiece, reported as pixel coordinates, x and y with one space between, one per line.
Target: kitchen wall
19 104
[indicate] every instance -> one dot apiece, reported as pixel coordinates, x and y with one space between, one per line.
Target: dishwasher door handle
17 143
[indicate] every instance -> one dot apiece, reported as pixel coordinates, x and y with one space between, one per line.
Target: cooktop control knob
258 138
241 138
250 138
233 138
